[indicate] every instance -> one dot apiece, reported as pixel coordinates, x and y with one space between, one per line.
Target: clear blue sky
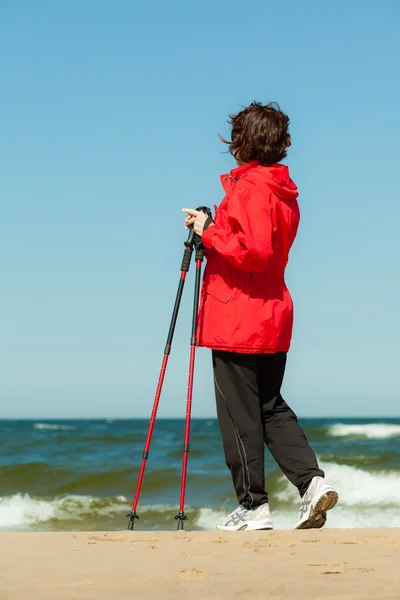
109 115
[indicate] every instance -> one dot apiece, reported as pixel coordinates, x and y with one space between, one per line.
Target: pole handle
197 241
187 255
191 237
194 241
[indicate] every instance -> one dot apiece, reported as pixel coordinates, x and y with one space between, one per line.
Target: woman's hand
196 218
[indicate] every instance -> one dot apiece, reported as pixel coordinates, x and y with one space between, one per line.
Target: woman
246 318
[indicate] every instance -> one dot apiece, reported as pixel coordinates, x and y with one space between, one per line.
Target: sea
75 475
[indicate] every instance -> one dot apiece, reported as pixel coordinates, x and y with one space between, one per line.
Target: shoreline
326 563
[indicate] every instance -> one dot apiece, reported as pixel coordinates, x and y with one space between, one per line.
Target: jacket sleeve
246 239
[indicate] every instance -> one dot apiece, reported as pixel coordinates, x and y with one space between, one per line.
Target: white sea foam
366 500
356 487
54 427
370 430
21 510
208 518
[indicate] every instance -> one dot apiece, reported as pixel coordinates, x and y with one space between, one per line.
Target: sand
330 563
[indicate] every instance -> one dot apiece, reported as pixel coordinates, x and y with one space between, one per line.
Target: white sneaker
319 498
249 519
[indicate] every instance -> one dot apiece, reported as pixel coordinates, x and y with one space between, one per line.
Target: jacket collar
237 172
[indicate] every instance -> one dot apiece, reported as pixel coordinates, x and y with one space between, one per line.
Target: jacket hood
279 180
276 177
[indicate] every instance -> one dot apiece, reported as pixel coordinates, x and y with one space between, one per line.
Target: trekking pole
187 255
181 517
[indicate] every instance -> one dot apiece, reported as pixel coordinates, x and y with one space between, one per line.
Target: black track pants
251 412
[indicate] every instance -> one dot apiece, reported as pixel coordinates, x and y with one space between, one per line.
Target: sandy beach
357 563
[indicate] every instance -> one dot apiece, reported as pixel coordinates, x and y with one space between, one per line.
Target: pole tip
131 516
181 517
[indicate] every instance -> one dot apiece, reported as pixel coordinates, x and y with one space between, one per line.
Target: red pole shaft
193 343
150 430
187 427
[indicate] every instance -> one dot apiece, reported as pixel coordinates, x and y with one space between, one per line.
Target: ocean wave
54 427
21 509
24 510
384 460
89 513
355 486
370 430
208 517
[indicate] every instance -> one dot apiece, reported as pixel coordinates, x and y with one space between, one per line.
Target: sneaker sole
315 522
326 502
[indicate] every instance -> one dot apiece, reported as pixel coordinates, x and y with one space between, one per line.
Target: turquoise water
81 474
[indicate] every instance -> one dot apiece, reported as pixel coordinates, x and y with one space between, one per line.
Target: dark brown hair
259 132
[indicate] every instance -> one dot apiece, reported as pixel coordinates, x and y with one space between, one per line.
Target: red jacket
245 304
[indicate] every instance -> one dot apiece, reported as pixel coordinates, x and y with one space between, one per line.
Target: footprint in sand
267 544
105 538
197 554
320 565
360 570
192 575
351 570
331 572
95 538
